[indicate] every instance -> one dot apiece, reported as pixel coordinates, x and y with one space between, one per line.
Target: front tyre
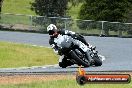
78 60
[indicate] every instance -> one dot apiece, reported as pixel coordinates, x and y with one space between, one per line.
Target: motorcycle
77 52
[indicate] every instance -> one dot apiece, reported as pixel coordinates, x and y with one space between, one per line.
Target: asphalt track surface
117 52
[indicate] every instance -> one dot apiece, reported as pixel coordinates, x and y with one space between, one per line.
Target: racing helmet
51 29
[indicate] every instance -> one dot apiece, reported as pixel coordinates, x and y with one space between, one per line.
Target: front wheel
79 61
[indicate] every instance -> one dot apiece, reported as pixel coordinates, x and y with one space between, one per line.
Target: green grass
19 55
12 19
17 7
65 84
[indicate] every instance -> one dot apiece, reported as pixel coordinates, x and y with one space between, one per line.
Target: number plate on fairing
83 47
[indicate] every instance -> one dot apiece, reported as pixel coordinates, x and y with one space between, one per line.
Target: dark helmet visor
51 32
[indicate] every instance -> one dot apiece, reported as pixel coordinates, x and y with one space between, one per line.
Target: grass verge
65 83
17 7
19 55
15 19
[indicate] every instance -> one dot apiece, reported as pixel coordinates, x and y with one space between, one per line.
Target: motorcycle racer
54 32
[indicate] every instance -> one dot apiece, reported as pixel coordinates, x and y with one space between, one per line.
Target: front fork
88 55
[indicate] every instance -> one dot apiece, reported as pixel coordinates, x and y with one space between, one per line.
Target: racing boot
65 63
69 63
